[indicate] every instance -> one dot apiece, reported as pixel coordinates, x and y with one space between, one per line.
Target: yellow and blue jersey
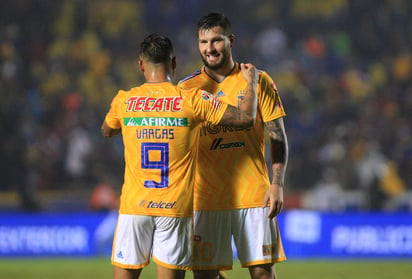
160 126
231 170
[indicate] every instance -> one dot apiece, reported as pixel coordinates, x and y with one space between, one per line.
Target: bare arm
245 115
279 155
109 132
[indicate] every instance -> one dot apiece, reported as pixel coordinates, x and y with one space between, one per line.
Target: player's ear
231 40
174 63
141 67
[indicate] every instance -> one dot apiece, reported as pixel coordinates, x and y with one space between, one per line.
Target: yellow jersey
231 170
160 126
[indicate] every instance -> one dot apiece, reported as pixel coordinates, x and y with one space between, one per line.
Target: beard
221 64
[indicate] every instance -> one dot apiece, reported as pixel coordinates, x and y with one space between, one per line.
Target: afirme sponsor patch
155 121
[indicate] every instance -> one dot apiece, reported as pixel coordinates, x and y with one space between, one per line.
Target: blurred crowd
343 69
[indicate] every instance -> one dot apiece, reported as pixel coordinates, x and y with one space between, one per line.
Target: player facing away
160 127
236 196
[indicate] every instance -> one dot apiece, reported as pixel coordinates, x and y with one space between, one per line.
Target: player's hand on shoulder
249 72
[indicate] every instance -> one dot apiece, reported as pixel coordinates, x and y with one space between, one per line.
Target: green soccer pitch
86 268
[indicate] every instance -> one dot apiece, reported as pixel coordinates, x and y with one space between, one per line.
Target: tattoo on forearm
279 150
245 113
277 175
278 140
275 130
232 117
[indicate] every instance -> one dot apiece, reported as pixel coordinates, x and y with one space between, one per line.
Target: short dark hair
156 48
215 19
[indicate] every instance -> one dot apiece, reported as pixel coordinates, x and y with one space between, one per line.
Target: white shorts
167 239
257 238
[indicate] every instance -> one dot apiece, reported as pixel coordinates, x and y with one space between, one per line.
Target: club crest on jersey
240 97
147 104
216 103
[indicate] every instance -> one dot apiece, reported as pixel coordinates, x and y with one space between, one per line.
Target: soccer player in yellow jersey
233 195
160 125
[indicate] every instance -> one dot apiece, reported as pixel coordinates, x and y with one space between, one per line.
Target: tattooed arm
245 115
279 155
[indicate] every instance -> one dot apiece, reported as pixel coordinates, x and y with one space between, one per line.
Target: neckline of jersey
156 83
231 71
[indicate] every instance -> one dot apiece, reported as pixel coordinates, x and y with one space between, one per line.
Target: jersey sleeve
207 107
269 100
113 116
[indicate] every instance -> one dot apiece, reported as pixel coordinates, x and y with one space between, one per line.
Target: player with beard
159 123
236 196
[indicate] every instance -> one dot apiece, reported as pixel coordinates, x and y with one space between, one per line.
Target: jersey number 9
162 164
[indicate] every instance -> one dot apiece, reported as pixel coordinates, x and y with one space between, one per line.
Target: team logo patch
268 250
